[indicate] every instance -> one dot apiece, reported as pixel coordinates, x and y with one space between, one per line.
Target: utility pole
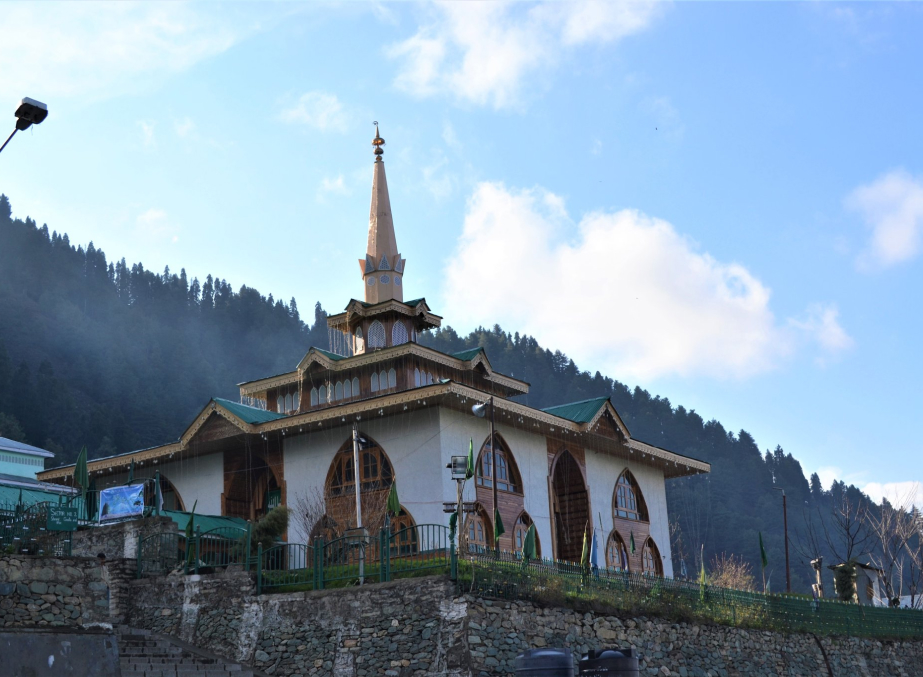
788 572
493 461
358 483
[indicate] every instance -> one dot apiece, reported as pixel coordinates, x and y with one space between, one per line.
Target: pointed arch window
519 534
296 401
651 562
322 395
374 467
288 403
429 379
360 342
280 404
404 539
478 531
416 377
355 386
629 502
616 552
383 380
347 389
338 391
398 333
377 335
508 478
374 381
392 378
313 397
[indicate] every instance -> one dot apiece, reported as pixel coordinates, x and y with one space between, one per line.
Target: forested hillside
99 353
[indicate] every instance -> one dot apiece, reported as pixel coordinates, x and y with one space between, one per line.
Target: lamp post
480 410
30 112
788 573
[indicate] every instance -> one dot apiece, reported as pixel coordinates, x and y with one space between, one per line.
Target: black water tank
621 662
545 663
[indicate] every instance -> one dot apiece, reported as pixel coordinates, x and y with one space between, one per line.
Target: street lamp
788 573
30 112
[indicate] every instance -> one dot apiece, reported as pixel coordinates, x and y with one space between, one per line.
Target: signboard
121 502
62 518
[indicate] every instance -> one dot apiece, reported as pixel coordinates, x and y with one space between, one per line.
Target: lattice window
650 559
616 552
376 335
629 503
398 333
384 265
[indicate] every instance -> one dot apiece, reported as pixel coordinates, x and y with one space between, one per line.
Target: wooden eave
356 309
119 462
313 356
447 393
615 416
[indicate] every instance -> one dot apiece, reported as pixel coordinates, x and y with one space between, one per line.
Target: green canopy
203 522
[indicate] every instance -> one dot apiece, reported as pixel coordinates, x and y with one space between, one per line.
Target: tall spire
382 268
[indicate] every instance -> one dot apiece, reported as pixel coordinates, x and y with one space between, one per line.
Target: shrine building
289 439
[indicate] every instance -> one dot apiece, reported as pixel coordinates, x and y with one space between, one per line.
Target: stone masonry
67 591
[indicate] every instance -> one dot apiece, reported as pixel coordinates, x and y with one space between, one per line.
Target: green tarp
203 522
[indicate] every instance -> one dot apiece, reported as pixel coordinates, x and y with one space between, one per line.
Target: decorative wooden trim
615 416
356 308
669 457
213 408
110 462
263 384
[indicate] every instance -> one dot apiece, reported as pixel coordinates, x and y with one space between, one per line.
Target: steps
144 654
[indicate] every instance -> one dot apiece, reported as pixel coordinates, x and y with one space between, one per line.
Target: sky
720 203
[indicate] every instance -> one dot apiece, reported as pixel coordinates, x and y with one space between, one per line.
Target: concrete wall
118 540
48 653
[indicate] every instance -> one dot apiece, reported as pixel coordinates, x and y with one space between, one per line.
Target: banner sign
120 502
61 518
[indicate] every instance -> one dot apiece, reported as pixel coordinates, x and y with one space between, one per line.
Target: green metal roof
9 495
469 354
578 412
248 414
203 522
327 353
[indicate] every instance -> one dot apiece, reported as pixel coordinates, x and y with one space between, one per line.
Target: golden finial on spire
378 142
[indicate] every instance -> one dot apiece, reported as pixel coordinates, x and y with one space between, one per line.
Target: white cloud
52 51
597 147
484 53
331 186
899 494
892 207
437 179
183 127
821 324
449 136
627 294
154 226
664 117
147 133
319 110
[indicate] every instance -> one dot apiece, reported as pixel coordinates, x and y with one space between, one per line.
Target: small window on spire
399 265
384 265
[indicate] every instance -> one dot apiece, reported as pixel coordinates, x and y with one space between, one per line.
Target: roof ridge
568 404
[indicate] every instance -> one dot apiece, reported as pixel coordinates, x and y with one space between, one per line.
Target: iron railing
25 532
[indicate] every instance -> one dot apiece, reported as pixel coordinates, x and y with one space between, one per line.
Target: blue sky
721 203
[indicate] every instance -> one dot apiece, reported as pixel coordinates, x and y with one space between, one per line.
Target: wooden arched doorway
253 491
571 506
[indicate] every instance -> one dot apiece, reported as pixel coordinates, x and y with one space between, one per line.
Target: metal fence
357 557
24 531
568 584
159 554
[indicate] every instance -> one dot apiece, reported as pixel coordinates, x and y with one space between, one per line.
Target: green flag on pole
190 532
763 559
585 554
469 469
631 539
394 504
453 523
528 545
498 526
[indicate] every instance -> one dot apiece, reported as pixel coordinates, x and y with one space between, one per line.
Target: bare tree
308 511
892 529
677 546
848 535
729 571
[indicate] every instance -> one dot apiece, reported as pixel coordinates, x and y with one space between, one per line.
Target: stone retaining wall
118 540
45 591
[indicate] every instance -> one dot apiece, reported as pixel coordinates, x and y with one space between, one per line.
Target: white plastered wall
530 452
411 442
196 478
602 473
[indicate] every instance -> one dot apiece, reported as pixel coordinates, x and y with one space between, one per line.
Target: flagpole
493 457
358 483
